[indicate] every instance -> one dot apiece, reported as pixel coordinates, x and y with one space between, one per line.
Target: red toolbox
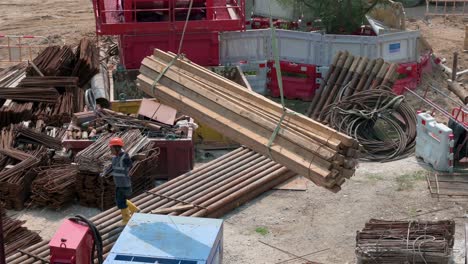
201 48
299 80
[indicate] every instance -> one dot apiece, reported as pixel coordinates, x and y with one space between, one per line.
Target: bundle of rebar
16 236
99 192
15 181
213 189
319 153
87 61
54 186
418 242
53 61
10 76
355 98
97 156
14 113
30 136
30 94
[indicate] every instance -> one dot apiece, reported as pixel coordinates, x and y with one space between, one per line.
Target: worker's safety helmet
116 142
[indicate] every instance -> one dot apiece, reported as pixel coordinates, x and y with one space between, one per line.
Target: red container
201 48
410 77
176 157
299 80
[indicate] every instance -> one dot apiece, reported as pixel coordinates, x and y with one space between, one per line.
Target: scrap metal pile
16 236
210 190
96 191
405 242
356 99
307 147
54 87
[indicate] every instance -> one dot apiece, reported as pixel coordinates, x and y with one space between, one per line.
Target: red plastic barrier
299 80
410 77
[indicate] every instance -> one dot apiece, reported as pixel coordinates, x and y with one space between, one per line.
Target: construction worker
121 165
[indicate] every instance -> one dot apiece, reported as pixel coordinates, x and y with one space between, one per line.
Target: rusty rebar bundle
87 61
214 189
54 186
99 192
54 61
16 236
416 242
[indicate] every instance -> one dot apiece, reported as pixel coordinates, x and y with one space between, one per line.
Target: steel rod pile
307 147
348 75
54 61
87 61
15 113
30 94
355 99
16 236
54 186
97 156
99 192
15 181
27 135
214 189
405 242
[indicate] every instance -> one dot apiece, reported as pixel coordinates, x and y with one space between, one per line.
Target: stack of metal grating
418 242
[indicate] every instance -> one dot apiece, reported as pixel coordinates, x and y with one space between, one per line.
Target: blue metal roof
150 238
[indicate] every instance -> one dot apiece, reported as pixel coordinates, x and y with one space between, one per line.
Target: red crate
299 80
201 48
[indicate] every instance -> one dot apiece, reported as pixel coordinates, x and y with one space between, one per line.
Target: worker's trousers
121 196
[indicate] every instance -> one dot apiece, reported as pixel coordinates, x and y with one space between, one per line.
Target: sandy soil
297 222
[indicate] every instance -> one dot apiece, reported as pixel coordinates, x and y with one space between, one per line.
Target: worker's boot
133 208
125 215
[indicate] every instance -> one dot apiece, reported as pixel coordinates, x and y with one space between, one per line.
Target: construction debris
213 189
405 241
356 99
307 147
54 186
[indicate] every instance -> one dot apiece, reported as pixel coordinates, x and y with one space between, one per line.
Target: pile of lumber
54 186
305 146
87 61
16 236
53 61
405 242
350 75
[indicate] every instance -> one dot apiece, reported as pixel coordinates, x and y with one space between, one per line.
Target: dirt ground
299 222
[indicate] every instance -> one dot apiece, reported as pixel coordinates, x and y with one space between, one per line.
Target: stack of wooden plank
405 242
305 146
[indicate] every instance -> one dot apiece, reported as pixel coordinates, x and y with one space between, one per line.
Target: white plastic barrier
315 48
434 143
256 74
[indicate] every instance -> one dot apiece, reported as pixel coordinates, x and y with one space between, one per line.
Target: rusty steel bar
222 184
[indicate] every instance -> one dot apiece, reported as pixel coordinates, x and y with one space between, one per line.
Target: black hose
97 245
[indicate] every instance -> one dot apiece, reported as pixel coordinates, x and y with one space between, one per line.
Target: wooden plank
294 138
259 100
297 183
242 135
